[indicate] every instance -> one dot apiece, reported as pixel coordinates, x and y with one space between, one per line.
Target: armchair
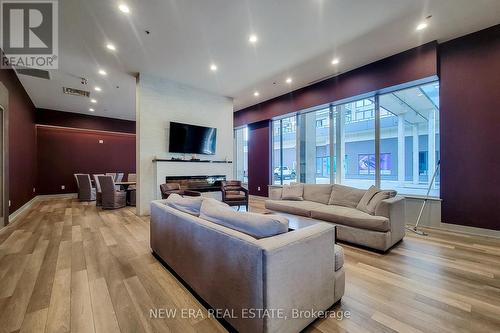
234 194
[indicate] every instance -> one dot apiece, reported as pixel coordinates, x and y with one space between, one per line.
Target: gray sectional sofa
238 261
378 225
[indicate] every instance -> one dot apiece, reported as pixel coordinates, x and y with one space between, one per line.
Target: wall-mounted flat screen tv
192 139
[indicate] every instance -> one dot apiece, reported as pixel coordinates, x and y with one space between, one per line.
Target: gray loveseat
338 204
231 270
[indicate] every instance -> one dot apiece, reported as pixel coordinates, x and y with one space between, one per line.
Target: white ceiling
297 38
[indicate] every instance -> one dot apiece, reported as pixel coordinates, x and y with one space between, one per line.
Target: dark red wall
77 120
470 129
22 142
259 157
411 65
64 151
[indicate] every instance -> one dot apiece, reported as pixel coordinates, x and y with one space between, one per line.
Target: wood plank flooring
67 266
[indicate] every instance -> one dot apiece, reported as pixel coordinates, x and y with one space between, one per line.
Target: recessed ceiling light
420 94
93 101
253 38
256 94
124 8
289 80
102 72
213 67
111 47
421 26
97 89
91 110
335 61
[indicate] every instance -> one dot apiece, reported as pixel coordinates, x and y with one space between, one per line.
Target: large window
355 143
409 132
390 140
284 168
315 147
241 154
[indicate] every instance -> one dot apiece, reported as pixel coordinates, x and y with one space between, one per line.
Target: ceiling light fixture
91 110
256 94
103 72
93 101
289 80
253 39
213 67
124 8
111 47
97 89
422 26
335 61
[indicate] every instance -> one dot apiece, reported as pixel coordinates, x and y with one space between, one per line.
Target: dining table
125 185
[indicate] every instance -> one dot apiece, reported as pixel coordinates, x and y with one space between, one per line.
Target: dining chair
111 198
132 177
119 178
85 190
112 174
98 196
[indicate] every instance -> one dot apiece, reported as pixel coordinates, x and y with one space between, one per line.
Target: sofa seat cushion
339 257
302 208
255 225
235 197
351 217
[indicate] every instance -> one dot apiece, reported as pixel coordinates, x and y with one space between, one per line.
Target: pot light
421 26
213 67
335 61
91 110
124 8
256 94
288 80
253 39
93 101
103 72
97 89
111 47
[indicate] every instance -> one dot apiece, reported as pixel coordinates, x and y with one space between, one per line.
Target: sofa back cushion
190 205
293 192
345 196
319 193
255 225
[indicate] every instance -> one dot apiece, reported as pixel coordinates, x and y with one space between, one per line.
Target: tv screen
192 139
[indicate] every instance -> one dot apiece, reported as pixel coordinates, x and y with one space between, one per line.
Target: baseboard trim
26 207
22 210
462 229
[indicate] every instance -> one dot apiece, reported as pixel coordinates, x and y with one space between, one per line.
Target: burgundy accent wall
63 152
22 142
259 158
470 129
77 120
411 65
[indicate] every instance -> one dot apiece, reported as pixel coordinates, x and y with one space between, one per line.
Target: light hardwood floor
70 267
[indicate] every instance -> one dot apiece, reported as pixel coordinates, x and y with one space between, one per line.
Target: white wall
160 101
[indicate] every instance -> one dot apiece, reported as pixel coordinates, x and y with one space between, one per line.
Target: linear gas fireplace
198 183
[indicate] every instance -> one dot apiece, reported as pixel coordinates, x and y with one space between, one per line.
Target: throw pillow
293 192
252 224
363 204
377 198
190 205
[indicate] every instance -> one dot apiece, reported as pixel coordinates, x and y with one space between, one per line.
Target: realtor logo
29 34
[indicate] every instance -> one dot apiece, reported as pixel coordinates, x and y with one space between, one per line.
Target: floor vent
76 92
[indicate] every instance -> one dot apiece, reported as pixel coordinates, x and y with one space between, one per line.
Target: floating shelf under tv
189 161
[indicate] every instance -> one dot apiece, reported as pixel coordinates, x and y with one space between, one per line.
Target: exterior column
431 154
401 149
416 177
340 146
